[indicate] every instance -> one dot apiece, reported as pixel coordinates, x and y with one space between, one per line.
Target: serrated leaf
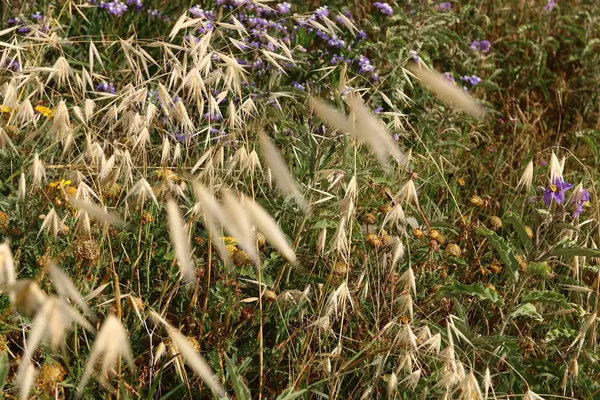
526 310
515 221
504 251
241 390
474 290
547 296
558 333
575 251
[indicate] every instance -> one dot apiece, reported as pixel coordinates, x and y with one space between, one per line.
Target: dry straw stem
180 241
284 179
194 359
446 91
25 380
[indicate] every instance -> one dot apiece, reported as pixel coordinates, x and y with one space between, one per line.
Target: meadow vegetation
261 199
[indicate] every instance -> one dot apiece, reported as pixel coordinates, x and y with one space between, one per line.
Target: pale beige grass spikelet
65 287
50 223
555 168
142 191
38 171
5 140
25 113
8 275
61 71
22 193
408 193
267 225
239 224
447 92
26 379
111 343
283 177
193 358
527 177
94 211
180 241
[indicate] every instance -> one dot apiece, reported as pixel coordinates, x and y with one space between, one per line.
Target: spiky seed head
527 177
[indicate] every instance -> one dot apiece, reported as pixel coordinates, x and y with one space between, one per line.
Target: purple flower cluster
447 76
106 88
115 7
364 64
11 64
384 8
473 80
550 5
445 6
139 4
482 46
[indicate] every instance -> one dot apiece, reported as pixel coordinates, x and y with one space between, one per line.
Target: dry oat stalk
180 241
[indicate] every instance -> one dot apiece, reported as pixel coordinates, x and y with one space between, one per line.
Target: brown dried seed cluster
437 236
418 233
495 223
374 240
369 219
88 251
3 221
477 201
50 373
453 250
341 268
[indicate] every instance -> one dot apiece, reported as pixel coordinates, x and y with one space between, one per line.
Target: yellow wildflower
45 111
4 109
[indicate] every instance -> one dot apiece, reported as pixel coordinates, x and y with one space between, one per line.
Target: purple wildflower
336 43
473 80
482 46
378 110
11 64
106 88
37 16
395 137
581 199
115 7
413 55
445 6
361 35
284 8
555 191
550 6
364 65
448 77
298 86
320 13
154 13
137 3
384 8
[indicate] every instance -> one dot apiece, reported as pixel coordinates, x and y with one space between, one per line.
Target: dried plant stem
207 278
260 332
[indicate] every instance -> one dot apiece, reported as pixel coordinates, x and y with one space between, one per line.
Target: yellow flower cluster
45 111
4 109
60 184
167 174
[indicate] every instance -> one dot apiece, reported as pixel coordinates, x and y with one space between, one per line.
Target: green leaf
3 369
515 221
504 251
575 251
526 310
474 290
565 333
241 390
547 296
290 394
